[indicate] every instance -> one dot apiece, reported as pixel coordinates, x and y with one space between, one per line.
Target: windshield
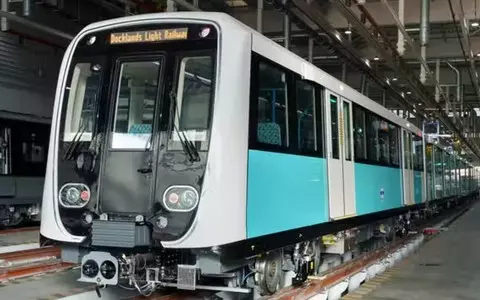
136 99
82 99
193 102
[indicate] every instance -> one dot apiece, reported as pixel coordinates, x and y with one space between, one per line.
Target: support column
401 38
4 21
424 28
310 49
260 16
171 6
437 77
286 27
26 8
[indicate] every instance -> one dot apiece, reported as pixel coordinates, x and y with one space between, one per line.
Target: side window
334 121
306 116
360 146
383 141
272 105
137 94
372 124
394 144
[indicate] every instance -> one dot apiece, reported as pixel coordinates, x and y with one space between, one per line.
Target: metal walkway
446 267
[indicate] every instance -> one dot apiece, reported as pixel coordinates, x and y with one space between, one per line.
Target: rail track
8 231
31 262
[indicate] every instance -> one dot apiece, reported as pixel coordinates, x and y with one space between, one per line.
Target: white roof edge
308 68
212 16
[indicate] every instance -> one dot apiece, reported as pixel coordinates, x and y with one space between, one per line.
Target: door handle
145 170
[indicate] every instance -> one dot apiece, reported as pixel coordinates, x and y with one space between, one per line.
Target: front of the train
130 143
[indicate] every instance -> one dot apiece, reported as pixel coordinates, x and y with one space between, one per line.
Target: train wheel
269 273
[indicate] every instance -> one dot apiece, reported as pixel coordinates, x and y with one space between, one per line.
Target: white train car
185 144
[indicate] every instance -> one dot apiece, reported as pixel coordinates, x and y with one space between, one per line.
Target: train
189 151
24 145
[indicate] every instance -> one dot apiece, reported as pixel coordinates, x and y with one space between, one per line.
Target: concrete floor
446 267
18 238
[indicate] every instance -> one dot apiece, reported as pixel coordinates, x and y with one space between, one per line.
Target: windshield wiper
75 141
187 145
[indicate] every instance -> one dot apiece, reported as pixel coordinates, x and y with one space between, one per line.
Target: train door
348 165
340 157
126 183
5 150
407 167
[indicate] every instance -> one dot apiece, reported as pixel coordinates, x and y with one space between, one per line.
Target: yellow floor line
371 285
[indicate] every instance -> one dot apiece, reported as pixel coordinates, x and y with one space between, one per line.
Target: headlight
180 198
74 195
108 269
90 268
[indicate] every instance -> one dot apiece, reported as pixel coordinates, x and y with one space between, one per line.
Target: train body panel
418 186
277 181
377 188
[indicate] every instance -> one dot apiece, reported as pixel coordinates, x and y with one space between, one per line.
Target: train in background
187 150
23 160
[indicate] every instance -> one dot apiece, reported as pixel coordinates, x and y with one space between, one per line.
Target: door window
136 97
334 120
347 134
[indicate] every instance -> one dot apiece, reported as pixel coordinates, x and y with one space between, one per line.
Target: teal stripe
370 180
285 192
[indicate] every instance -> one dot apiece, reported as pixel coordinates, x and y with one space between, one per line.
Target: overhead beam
439 13
34 25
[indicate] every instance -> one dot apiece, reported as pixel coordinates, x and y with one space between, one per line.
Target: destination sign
149 36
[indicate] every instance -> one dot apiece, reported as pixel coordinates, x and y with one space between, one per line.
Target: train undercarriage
259 275
13 215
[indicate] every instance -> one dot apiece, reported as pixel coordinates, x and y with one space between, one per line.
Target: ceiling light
475 24
394 78
236 3
376 58
419 103
478 54
349 29
409 93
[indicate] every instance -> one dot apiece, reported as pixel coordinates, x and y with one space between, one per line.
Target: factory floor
446 267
